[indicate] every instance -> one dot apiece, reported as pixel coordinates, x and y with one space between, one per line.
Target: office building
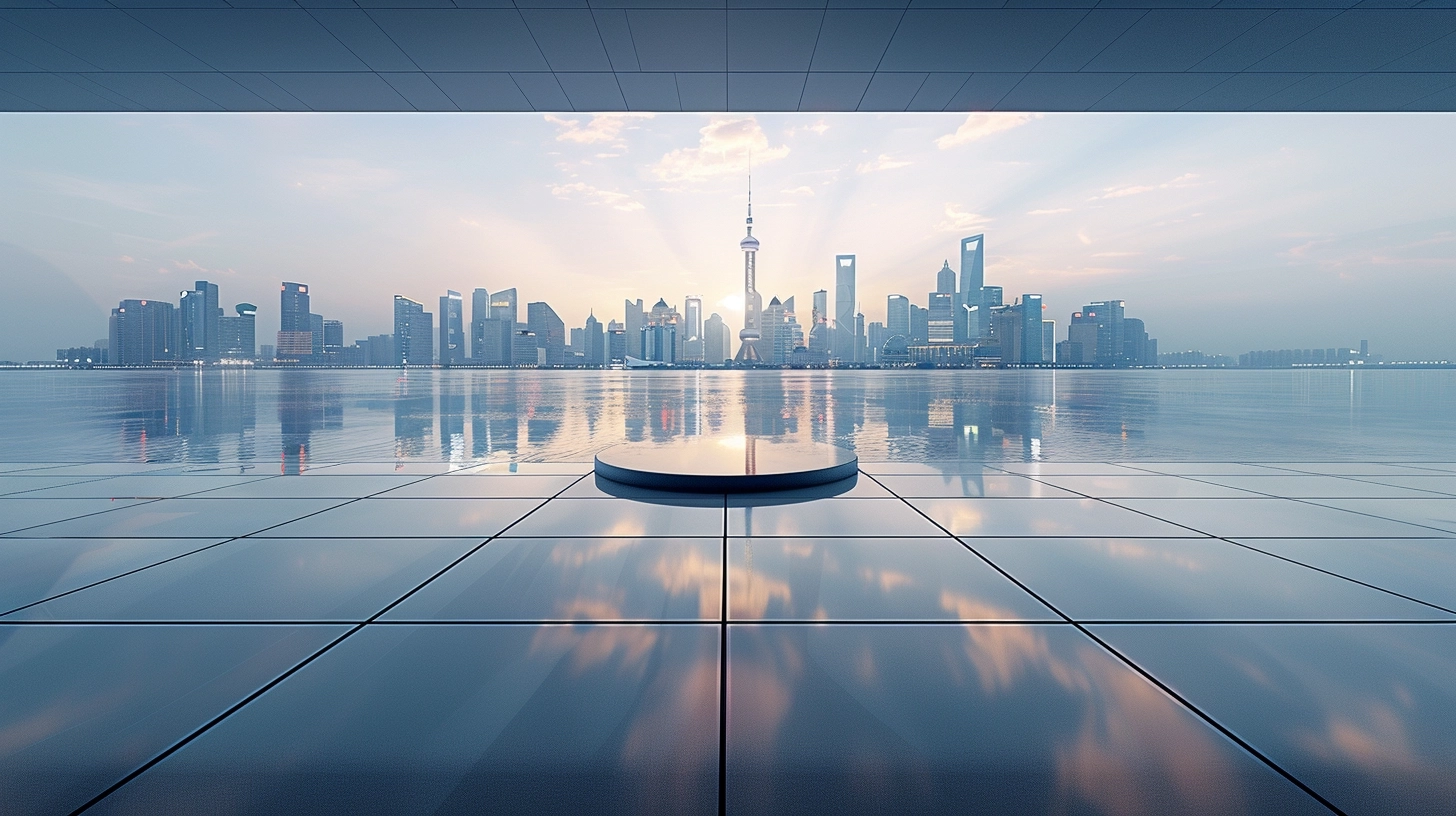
333 336
594 342
616 343
945 279
844 303
1081 344
1049 341
451 347
940 326
693 317
379 350
876 335
199 316
503 307
237 336
316 333
820 308
414 335
479 313
659 342
717 340
293 308
1031 330
1138 349
550 331
142 332
1108 315
861 343
897 316
919 325
524 349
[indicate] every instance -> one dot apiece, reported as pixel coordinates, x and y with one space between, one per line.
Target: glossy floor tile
444 719
1434 514
1424 569
483 487
1152 579
1427 483
150 486
989 718
1315 487
1201 468
263 579
1064 468
18 513
839 517
970 486
86 705
183 518
1044 517
562 579
1345 468
1149 486
409 518
314 486
623 517
33 569
12 485
1365 714
848 579
1271 518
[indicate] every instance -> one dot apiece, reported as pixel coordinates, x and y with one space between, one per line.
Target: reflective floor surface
943 637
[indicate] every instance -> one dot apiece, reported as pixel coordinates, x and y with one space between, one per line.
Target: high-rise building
659 342
1031 331
616 343
1081 348
919 325
1049 341
1138 348
237 336
632 324
414 335
774 321
820 314
479 313
897 316
973 300
293 308
594 342
717 340
550 332
693 317
452 328
876 334
861 344
503 307
316 333
748 337
524 351
199 316
379 350
333 336
945 279
941 325
142 332
844 303
1108 315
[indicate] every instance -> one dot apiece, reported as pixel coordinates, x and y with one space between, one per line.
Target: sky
1223 232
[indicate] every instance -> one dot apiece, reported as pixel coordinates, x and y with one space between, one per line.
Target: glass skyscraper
452 328
844 339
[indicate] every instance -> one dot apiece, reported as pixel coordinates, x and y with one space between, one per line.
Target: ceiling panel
616 37
110 39
854 40
765 91
420 91
1241 92
268 90
649 92
1360 40
593 91
937 92
463 39
984 91
834 92
772 40
482 91
1376 92
1264 38
154 91
53 92
703 91
225 91
1159 91
1060 92
673 40
358 32
1298 93
1089 38
1174 40
542 91
976 40
891 91
252 39
568 38
20 43
340 92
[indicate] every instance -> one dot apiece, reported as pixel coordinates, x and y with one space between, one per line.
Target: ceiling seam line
1080 20
549 67
1262 20
67 75
918 89
285 91
240 85
352 53
632 38
65 51
611 65
1215 87
37 68
1413 50
675 89
407 56
1009 91
519 90
1110 92
1431 94
881 60
824 13
1337 15
944 108
1329 91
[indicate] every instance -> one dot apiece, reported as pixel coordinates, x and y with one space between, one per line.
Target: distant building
844 303
1049 341
1137 348
143 332
237 336
594 342
940 327
479 313
897 315
632 325
524 349
616 343
414 333
974 302
82 356
659 342
451 349
1108 315
919 325
876 335
379 350
820 312
316 330
199 316
333 336
717 340
550 332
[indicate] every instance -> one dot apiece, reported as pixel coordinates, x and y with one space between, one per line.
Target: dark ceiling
703 55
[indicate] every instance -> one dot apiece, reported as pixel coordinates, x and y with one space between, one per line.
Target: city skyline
685 172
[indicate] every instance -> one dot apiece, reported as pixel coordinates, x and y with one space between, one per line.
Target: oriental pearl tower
752 303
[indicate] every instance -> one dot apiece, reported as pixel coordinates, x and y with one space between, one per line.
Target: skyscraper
237 336
333 336
413 333
316 333
773 321
919 325
479 313
1031 330
941 324
945 279
594 342
632 327
142 332
295 324
503 307
821 308
199 315
844 307
897 316
693 317
752 302
1108 315
452 328
550 332
973 280
717 340
616 343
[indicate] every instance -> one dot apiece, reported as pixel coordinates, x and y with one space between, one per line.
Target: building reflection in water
211 416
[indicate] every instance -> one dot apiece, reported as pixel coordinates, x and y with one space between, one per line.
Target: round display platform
726 464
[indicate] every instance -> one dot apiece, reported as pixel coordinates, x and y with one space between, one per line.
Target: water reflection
465 416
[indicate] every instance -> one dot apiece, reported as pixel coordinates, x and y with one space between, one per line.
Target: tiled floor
1133 638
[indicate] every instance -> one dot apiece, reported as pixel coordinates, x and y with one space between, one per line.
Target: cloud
724 148
603 127
1185 180
804 191
980 125
127 259
1049 212
817 129
585 192
884 162
1115 254
190 265
1082 236
957 220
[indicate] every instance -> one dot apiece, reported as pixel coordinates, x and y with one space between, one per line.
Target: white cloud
603 127
1082 236
884 162
980 125
1115 254
724 148
190 265
1049 212
958 220
127 259
585 192
817 129
1185 180
799 191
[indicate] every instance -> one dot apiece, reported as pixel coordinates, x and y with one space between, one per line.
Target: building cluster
195 329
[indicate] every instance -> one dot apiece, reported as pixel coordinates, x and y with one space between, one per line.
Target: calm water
383 415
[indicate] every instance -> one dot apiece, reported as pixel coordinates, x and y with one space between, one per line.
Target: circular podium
706 464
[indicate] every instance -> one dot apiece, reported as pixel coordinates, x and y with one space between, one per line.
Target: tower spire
750 192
